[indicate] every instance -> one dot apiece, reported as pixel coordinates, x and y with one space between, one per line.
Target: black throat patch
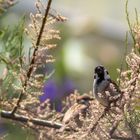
99 70
100 78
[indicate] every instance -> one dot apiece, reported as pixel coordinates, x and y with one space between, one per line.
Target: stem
96 123
35 121
129 23
33 57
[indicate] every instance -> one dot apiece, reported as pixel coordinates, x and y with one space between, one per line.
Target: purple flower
50 91
55 92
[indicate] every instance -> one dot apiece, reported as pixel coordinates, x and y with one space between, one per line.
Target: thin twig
120 138
39 38
123 58
129 23
137 17
33 57
96 123
114 127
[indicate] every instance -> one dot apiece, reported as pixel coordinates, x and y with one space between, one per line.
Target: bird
105 90
80 107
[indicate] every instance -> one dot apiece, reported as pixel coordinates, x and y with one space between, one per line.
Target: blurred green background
94 34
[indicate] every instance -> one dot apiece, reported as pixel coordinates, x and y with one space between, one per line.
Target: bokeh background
93 34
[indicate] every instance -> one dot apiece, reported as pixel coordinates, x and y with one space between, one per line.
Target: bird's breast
100 87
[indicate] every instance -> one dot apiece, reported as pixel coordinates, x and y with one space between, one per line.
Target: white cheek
96 77
95 80
107 76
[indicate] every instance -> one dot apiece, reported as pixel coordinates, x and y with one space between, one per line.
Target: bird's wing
112 91
115 86
73 112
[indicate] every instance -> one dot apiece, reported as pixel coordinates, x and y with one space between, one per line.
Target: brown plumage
80 107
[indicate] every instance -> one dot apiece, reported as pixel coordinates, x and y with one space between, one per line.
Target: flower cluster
96 122
5 4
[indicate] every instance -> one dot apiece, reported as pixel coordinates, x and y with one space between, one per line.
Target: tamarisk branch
35 121
29 71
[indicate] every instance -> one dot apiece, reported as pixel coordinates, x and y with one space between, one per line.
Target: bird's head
100 73
84 99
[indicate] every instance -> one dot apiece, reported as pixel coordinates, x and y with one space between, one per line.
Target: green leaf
11 55
14 42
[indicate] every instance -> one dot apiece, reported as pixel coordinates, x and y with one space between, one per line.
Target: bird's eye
107 72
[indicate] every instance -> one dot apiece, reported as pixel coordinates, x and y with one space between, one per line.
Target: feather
105 90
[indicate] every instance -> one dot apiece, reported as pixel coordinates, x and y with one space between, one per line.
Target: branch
33 57
35 121
129 24
120 138
114 127
96 123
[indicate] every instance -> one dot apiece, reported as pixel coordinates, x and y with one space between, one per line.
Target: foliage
5 4
23 84
11 56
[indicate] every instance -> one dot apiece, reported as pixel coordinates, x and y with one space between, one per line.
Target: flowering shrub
21 87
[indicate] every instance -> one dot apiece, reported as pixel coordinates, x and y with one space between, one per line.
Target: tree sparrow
81 106
105 90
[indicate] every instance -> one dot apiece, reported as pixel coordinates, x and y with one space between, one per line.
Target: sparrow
105 90
80 107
